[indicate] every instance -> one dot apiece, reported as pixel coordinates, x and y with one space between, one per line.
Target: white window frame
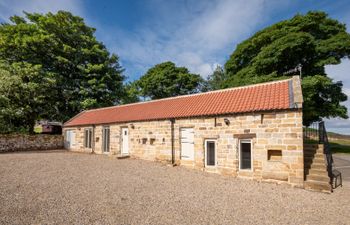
88 137
250 141
206 155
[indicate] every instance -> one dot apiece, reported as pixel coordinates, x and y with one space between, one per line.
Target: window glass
87 138
246 155
210 153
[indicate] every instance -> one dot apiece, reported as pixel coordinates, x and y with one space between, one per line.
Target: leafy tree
167 80
24 90
63 47
131 93
313 40
322 98
216 80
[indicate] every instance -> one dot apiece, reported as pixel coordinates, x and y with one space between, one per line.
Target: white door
70 139
125 141
187 143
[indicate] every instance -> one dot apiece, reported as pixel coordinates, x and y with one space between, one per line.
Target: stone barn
253 131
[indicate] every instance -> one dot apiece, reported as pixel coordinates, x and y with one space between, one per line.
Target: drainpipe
172 121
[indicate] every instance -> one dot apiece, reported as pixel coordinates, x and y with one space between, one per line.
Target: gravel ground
59 187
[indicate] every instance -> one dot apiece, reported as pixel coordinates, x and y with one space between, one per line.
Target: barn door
187 144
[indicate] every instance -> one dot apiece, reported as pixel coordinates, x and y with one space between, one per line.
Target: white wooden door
187 143
70 139
125 141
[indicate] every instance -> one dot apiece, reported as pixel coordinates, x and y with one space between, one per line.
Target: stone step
313 152
313 149
123 157
310 154
320 178
313 145
310 160
316 172
316 159
318 166
318 186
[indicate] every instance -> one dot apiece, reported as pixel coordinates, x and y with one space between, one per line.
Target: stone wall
276 137
21 142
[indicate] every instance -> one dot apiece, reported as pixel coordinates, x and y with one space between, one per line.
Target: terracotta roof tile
261 97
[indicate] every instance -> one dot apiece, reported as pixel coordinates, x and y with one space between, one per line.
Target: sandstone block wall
276 137
21 142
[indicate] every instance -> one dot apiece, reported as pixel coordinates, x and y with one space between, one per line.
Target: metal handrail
327 150
317 132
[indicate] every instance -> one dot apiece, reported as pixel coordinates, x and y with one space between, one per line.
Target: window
210 152
105 139
245 155
274 155
88 138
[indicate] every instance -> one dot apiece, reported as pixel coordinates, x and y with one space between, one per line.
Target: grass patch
340 146
337 146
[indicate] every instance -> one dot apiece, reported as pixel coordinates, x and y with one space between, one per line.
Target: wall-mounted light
132 126
227 121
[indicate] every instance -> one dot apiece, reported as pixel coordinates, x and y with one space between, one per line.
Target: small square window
274 155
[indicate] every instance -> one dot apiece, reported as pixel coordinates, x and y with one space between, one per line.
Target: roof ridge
195 94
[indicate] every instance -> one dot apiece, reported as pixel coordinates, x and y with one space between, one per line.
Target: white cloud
16 7
194 35
340 73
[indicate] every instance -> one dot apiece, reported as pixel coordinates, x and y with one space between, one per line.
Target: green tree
216 80
24 91
86 75
131 93
167 80
313 40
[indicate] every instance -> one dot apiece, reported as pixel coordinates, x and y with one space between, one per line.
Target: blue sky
197 34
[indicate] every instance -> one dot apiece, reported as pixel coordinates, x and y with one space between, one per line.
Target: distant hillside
333 135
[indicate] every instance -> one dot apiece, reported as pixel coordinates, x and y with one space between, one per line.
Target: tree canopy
313 40
24 91
167 80
216 80
63 48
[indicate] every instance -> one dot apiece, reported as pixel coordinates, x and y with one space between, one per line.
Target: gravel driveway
59 187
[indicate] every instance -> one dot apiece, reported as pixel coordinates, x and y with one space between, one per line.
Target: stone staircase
315 169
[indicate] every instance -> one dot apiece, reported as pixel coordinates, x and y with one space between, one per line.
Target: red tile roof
260 97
